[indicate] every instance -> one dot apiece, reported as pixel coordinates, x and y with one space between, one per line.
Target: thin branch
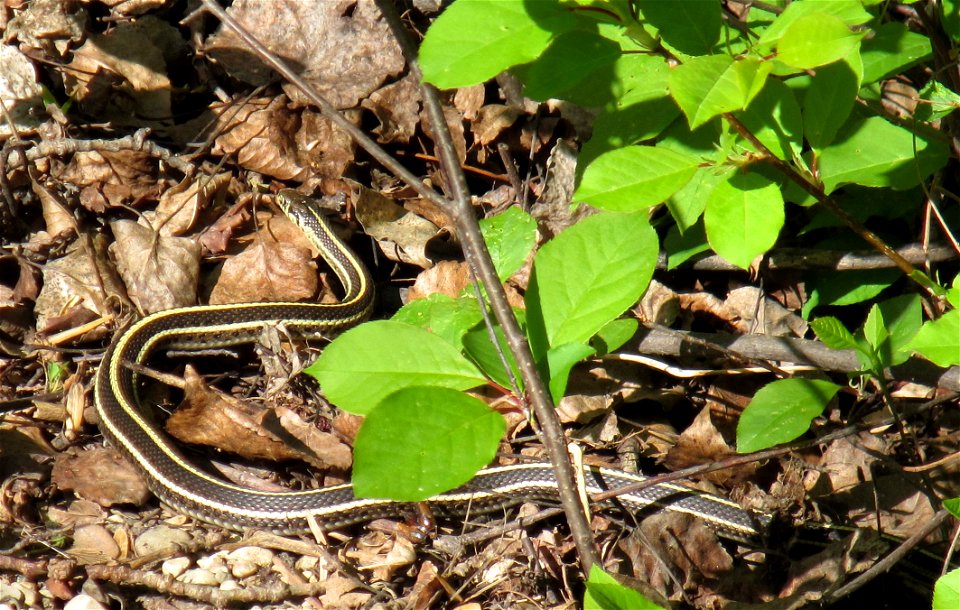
887 562
678 344
835 260
475 251
825 200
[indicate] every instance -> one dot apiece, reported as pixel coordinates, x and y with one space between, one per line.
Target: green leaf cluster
661 136
407 374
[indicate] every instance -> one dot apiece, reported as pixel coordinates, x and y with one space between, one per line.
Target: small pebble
161 540
176 566
199 576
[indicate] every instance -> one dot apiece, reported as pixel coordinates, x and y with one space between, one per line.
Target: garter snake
186 488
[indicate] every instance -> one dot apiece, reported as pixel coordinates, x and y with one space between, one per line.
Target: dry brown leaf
687 545
130 7
492 120
455 124
28 283
899 98
402 236
552 209
583 408
340 593
446 277
111 178
46 24
20 92
812 577
397 107
266 271
101 475
858 486
71 283
121 75
260 134
179 205
426 587
160 272
700 443
343 48
323 146
93 544
327 447
770 318
209 417
469 100
601 432
57 218
217 236
659 305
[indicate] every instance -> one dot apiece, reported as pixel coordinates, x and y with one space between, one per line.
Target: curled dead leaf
209 417
343 48
260 134
101 475
160 272
402 235
266 271
179 205
121 75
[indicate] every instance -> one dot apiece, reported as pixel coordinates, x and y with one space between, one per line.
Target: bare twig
805 258
137 141
675 343
887 562
475 251
822 198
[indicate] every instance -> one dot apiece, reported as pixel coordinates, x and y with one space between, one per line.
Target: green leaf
743 218
774 118
857 158
849 12
682 247
635 177
939 340
559 362
642 113
363 365
951 19
510 237
952 505
690 27
781 412
892 327
847 287
590 274
946 591
421 441
953 293
828 102
936 102
816 40
474 40
613 335
588 76
485 354
687 205
892 48
707 86
834 334
442 315
605 593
